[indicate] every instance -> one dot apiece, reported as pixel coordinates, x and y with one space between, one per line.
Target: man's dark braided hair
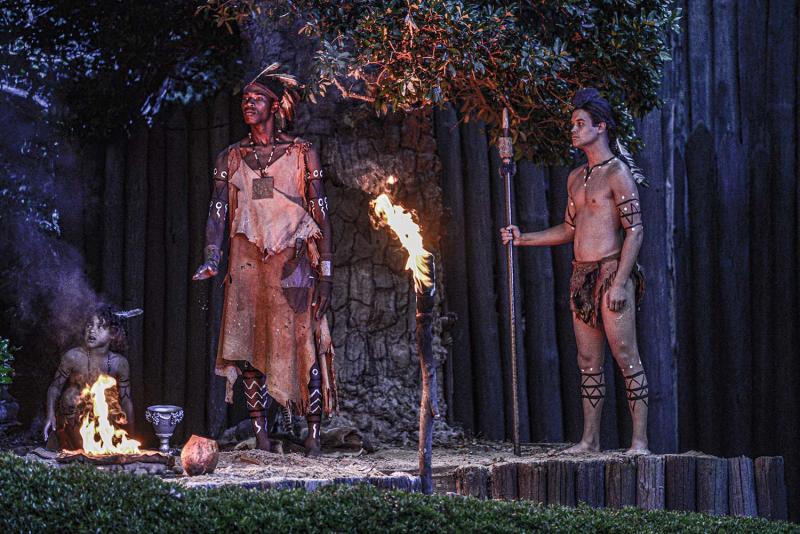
598 108
108 317
592 102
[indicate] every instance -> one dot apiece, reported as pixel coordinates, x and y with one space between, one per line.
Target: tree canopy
95 65
529 56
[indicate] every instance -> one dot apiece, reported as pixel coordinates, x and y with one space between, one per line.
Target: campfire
99 435
104 442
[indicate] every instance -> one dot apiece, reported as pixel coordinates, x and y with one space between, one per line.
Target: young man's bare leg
590 343
620 329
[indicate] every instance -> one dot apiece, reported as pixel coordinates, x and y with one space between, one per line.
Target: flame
403 225
97 425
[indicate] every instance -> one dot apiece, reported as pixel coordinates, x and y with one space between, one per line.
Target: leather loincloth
589 283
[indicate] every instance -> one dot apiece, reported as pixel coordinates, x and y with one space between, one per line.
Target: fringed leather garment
267 318
589 283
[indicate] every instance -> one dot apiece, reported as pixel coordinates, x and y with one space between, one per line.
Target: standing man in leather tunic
280 263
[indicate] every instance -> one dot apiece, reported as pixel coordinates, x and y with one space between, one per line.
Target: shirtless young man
603 221
104 339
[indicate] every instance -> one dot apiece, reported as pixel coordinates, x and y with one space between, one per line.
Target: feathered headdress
282 87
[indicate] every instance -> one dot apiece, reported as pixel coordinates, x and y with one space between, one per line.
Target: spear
505 149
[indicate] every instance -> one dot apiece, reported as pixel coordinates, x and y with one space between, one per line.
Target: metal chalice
164 418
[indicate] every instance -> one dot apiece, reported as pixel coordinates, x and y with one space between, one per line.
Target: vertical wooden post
429 400
504 481
155 274
771 488
741 487
135 251
590 484
490 413
712 485
532 481
650 482
472 481
572 415
176 236
700 173
620 482
561 482
454 264
537 281
196 318
656 317
680 479
732 238
113 214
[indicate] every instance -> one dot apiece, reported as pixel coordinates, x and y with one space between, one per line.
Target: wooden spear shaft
506 152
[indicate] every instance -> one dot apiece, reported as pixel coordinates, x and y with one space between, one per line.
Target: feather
286 79
127 314
267 70
636 171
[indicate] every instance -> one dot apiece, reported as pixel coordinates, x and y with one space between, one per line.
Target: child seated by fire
104 342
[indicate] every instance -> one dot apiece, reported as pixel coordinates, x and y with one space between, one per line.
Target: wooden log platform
690 481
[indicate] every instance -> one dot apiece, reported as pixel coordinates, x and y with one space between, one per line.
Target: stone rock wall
373 309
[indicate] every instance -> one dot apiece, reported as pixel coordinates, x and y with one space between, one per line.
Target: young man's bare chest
591 197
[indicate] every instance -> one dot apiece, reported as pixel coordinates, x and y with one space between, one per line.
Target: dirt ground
247 466
254 465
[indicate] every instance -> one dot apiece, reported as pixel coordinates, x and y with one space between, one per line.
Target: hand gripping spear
505 149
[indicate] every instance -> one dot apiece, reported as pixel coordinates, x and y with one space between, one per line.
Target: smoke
44 292
44 285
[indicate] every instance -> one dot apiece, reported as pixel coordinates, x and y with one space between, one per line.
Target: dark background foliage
98 64
527 56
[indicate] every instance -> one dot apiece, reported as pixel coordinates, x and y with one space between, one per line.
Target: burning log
421 263
145 457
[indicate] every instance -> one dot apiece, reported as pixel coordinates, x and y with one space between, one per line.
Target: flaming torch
421 263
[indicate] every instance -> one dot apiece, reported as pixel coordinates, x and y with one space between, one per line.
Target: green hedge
36 498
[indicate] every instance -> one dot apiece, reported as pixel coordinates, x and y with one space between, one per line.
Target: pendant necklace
263 187
593 167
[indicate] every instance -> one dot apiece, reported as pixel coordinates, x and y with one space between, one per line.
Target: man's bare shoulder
222 156
304 144
574 174
619 175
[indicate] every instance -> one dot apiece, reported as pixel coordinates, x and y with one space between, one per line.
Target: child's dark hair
108 318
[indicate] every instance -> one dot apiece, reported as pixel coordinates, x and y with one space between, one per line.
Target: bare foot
583 446
312 447
637 448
